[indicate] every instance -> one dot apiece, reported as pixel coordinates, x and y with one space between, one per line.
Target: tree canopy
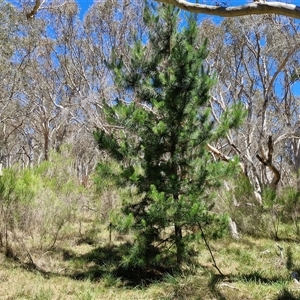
220 8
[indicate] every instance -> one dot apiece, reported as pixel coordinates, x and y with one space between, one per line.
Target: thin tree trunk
179 244
46 146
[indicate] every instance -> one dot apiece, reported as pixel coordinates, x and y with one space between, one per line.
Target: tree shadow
287 239
215 279
285 294
256 277
104 261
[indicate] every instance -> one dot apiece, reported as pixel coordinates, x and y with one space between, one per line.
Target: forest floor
251 268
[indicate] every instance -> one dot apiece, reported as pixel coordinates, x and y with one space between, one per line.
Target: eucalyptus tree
219 8
255 59
47 85
55 77
103 34
13 108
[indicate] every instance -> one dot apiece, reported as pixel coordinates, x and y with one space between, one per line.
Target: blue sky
86 4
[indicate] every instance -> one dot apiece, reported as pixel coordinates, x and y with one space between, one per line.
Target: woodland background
58 213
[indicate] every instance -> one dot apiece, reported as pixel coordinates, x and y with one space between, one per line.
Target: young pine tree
160 138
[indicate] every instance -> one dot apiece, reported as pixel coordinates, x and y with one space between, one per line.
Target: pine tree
160 139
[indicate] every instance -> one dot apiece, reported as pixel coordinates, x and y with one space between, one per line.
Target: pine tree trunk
179 244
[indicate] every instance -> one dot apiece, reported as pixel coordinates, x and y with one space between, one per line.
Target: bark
179 244
255 8
34 10
233 229
222 156
267 160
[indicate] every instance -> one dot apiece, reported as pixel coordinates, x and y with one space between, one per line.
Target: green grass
252 269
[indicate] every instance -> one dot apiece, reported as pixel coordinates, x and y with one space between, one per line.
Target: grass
252 268
83 262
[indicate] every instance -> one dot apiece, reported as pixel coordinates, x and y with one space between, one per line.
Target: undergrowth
252 269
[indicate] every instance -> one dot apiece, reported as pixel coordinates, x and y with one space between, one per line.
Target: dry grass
75 259
252 268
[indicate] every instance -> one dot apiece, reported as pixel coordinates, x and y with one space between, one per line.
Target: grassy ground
252 269
69 220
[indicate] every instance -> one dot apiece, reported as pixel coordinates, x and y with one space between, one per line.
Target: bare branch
218 153
36 7
282 65
255 8
222 156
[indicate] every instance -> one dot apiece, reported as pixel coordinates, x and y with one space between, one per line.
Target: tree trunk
46 145
179 244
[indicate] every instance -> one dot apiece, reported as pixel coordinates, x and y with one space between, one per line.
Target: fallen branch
228 285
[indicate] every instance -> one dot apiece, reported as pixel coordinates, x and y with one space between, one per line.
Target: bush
40 207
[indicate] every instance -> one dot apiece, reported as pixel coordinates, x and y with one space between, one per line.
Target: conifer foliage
159 136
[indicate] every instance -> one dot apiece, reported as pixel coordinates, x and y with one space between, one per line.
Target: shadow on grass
258 278
285 294
287 239
215 279
254 277
105 261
